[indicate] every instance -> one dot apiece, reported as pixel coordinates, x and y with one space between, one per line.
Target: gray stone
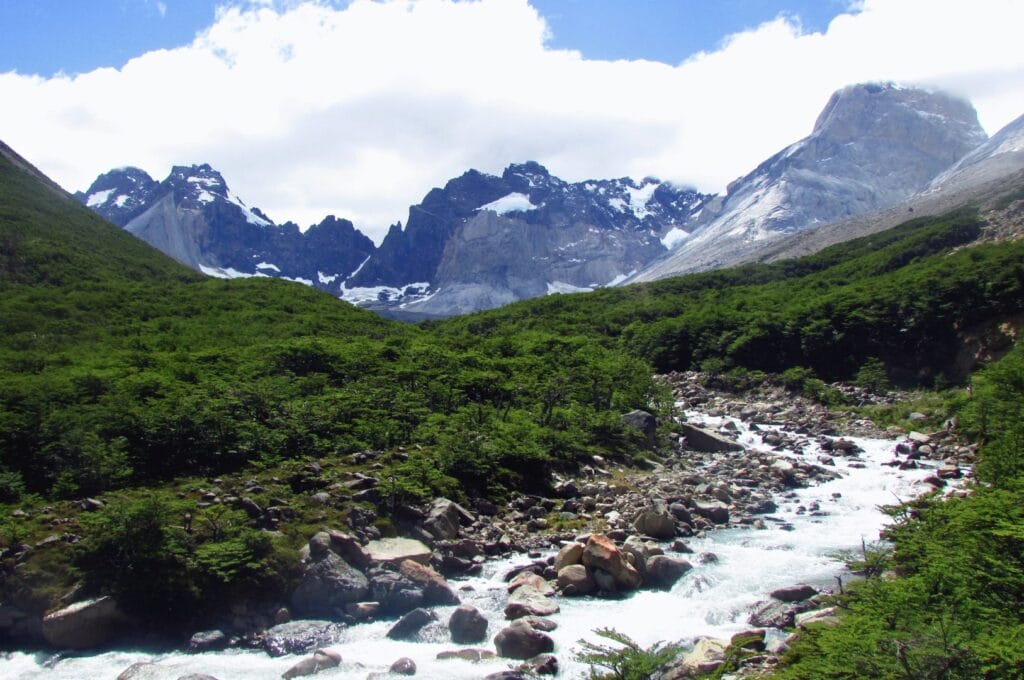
403 666
643 421
397 550
322 659
85 624
797 593
522 641
701 439
328 584
574 579
663 571
410 624
467 625
299 637
656 521
207 641
526 600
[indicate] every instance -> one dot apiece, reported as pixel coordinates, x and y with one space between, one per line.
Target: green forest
127 376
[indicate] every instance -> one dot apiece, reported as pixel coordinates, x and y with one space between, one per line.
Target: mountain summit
872 146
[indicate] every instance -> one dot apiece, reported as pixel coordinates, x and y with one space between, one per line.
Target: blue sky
47 36
359 108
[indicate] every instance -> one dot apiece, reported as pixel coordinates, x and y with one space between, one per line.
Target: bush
629 661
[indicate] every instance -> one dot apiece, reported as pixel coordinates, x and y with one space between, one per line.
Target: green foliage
627 661
872 376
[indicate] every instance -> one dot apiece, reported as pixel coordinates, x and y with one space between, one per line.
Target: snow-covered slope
872 147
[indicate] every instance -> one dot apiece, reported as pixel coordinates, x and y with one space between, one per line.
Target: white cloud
359 109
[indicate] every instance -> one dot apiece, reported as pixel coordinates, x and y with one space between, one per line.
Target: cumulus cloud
310 108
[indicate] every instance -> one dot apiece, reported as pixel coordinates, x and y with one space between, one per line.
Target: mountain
195 218
872 146
483 240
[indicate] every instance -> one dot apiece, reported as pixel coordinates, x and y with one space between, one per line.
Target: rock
601 553
397 550
319 545
349 548
207 641
526 600
395 592
826 617
542 664
436 590
471 654
797 593
706 656
656 521
540 623
663 571
410 624
360 611
299 637
714 511
328 584
467 625
507 675
403 666
445 517
141 670
574 579
85 624
643 421
749 639
522 641
700 439
569 554
196 676
322 659
529 578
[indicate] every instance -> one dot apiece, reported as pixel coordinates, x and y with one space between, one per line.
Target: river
714 599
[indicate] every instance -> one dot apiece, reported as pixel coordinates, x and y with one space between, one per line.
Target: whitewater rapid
798 545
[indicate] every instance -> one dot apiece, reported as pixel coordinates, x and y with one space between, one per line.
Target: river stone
298 637
826 617
328 584
349 548
445 517
471 654
526 600
706 656
396 593
530 578
540 623
569 554
715 511
322 659
797 593
196 676
664 570
207 641
436 590
542 664
397 550
656 521
403 666
410 624
602 553
85 624
574 579
700 439
521 641
467 625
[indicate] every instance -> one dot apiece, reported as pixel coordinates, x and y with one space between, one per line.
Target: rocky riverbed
605 533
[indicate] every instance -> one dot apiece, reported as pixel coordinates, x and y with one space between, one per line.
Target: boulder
403 666
643 421
322 659
207 641
601 553
700 439
714 511
662 571
521 641
395 592
196 676
656 521
571 553
797 593
328 584
542 664
825 617
349 548
445 517
410 624
467 625
706 656
85 624
471 654
299 637
436 590
397 550
540 623
526 600
529 578
574 579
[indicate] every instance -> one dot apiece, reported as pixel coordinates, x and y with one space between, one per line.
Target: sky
357 108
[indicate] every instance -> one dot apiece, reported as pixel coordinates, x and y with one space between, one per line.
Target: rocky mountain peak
119 194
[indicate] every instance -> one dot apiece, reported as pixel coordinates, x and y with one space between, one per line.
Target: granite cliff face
195 218
871 147
484 241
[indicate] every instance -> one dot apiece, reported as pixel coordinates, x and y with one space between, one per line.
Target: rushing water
712 600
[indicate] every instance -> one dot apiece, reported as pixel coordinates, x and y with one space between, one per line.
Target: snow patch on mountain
514 202
671 239
99 198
